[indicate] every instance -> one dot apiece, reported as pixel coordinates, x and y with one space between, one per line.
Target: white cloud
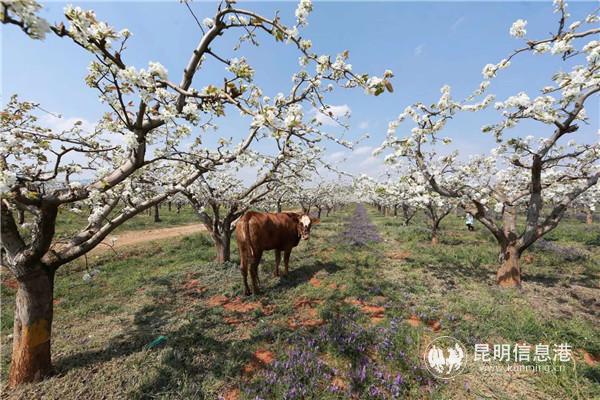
59 124
457 23
419 49
337 156
364 125
370 161
336 112
362 150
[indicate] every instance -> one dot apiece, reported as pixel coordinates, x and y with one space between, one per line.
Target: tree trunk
223 247
156 213
509 222
406 215
327 211
509 273
589 216
278 206
395 210
31 360
21 217
169 205
319 212
434 235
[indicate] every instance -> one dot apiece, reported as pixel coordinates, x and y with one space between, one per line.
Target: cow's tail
246 222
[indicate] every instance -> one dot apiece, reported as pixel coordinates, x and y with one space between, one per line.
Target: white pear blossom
561 46
7 181
208 22
156 69
302 11
518 28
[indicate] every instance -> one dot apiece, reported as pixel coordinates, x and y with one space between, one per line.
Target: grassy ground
347 321
71 222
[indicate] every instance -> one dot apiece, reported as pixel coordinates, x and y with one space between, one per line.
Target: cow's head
304 224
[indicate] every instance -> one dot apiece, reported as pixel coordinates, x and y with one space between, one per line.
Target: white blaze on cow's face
304 226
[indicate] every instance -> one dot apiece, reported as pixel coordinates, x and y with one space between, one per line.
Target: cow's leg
286 259
244 269
277 261
254 273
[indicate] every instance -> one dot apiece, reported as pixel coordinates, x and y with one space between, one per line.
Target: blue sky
426 44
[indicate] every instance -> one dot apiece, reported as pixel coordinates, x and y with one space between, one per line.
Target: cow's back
267 231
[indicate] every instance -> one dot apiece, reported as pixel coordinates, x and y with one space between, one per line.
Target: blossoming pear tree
367 189
220 197
542 175
435 206
410 191
333 196
285 193
401 190
324 195
588 203
149 138
398 193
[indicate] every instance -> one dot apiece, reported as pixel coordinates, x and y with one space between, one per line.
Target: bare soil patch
306 314
398 255
260 359
240 306
10 283
216 301
129 238
231 394
192 287
414 321
315 282
590 359
375 312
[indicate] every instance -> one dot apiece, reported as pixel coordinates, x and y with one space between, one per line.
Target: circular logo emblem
445 357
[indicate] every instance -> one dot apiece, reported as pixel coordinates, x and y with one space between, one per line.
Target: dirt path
129 238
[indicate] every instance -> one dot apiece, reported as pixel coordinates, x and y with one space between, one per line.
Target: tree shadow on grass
451 273
586 279
199 345
303 274
543 279
147 321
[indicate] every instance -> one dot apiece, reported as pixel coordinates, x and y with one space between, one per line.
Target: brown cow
256 232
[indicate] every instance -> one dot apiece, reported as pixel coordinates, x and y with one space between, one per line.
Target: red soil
10 283
413 321
434 325
260 359
315 282
231 394
217 300
306 314
339 383
192 287
375 312
590 359
240 306
398 255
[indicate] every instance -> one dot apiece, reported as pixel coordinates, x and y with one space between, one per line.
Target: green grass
101 328
70 223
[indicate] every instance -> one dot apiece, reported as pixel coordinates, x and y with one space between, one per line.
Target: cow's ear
315 221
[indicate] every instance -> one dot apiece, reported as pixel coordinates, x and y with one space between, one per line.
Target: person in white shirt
469 222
